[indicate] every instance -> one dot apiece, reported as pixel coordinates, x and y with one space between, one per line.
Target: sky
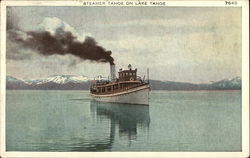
186 44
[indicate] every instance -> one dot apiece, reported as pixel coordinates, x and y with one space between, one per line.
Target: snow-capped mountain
12 79
60 79
234 83
51 82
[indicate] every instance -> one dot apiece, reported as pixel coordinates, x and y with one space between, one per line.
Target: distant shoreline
83 83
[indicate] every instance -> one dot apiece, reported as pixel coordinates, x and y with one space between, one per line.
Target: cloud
53 24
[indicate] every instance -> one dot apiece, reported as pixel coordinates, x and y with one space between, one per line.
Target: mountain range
73 82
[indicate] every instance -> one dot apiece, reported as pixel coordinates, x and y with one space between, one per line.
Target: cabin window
109 89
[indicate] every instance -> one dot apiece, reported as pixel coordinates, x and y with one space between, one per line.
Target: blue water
174 121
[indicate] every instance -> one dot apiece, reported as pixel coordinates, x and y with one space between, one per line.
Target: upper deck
127 79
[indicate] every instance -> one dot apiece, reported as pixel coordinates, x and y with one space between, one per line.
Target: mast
148 74
148 82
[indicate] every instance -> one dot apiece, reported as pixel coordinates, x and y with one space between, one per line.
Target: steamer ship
127 88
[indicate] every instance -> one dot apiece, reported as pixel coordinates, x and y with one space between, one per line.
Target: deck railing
120 90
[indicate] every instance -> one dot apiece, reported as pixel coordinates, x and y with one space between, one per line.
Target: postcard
124 78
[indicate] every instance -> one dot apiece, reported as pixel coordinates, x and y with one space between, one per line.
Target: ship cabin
127 79
127 75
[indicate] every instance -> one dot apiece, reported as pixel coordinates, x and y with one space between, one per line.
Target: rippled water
174 121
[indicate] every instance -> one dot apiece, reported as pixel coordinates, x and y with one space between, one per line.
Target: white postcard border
245 84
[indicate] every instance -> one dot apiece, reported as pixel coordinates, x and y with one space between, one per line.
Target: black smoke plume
61 43
12 20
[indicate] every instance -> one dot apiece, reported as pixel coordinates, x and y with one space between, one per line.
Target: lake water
174 121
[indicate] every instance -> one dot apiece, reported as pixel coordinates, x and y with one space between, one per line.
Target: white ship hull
138 95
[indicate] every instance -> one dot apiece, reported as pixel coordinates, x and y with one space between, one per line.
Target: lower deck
136 95
116 87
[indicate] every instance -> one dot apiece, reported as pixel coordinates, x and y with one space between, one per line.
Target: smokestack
112 72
